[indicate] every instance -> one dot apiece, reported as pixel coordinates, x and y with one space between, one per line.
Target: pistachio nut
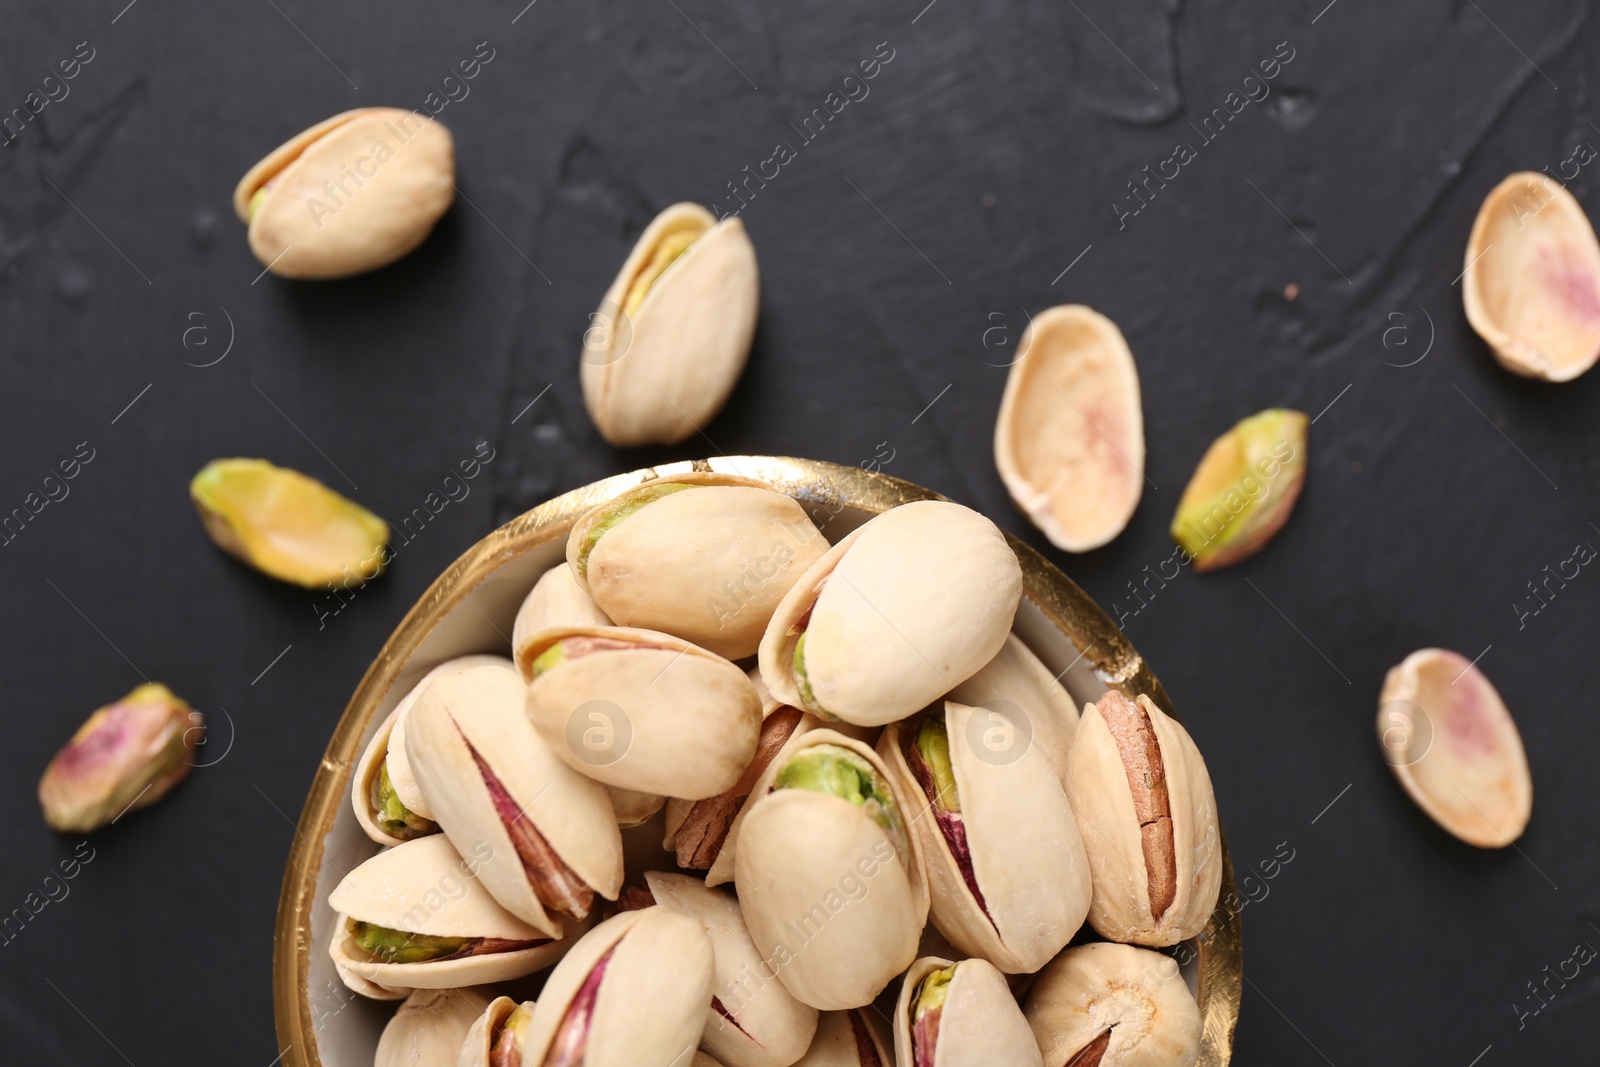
1144 803
126 755
645 557
1016 682
497 1036
830 879
387 801
1244 489
962 1014
429 1028
753 1020
550 834
898 613
633 992
1105 1005
672 334
847 1039
1454 747
353 193
288 526
1532 280
416 917
1069 441
557 599
1006 866
640 709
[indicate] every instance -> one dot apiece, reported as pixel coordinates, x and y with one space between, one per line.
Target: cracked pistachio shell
480 711
1162 840
288 526
901 611
557 599
1114 1006
847 1039
672 334
351 194
980 1023
770 1028
386 751
478 1046
1027 856
1244 489
645 558
666 718
1532 280
126 755
1016 680
1455 748
831 898
652 997
370 990
429 1028
1069 441
424 887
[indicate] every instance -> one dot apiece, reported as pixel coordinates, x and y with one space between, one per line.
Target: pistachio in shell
1148 816
1244 489
496 1036
429 1028
1069 440
1107 1005
1451 742
847 1039
646 559
1531 285
898 613
672 334
288 526
351 194
960 1014
1017 683
641 710
126 755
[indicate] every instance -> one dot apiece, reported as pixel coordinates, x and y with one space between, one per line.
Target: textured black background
996 141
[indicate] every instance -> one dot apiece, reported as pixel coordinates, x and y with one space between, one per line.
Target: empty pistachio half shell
1106 1005
952 1014
1244 489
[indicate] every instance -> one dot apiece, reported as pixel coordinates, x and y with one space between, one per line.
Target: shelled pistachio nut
557 599
1244 489
1144 803
830 879
491 781
1454 747
646 558
428 1029
416 917
1018 685
1069 440
387 801
753 1021
1006 866
672 334
895 615
126 755
632 993
847 1039
1532 280
288 526
496 1037
353 193
641 710
1105 1005
962 1014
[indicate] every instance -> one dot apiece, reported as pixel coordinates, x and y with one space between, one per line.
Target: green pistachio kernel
802 682
934 989
391 814
842 773
933 745
398 946
621 508
549 659
255 203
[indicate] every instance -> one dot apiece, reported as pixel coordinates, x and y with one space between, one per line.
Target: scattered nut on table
1244 489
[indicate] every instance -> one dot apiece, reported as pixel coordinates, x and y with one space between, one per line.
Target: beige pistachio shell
1118 844
485 1030
903 610
371 990
631 807
1027 855
1532 280
770 1028
828 897
353 193
656 567
1451 742
1134 995
843 1040
557 599
980 1024
429 1028
669 718
477 714
656 370
652 997
1017 679
1069 441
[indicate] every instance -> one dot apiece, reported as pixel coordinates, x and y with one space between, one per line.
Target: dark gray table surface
980 179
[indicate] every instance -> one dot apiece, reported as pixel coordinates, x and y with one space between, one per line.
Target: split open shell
477 1049
979 1024
1451 742
847 1039
1019 685
1069 441
429 1028
1532 281
1114 1006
